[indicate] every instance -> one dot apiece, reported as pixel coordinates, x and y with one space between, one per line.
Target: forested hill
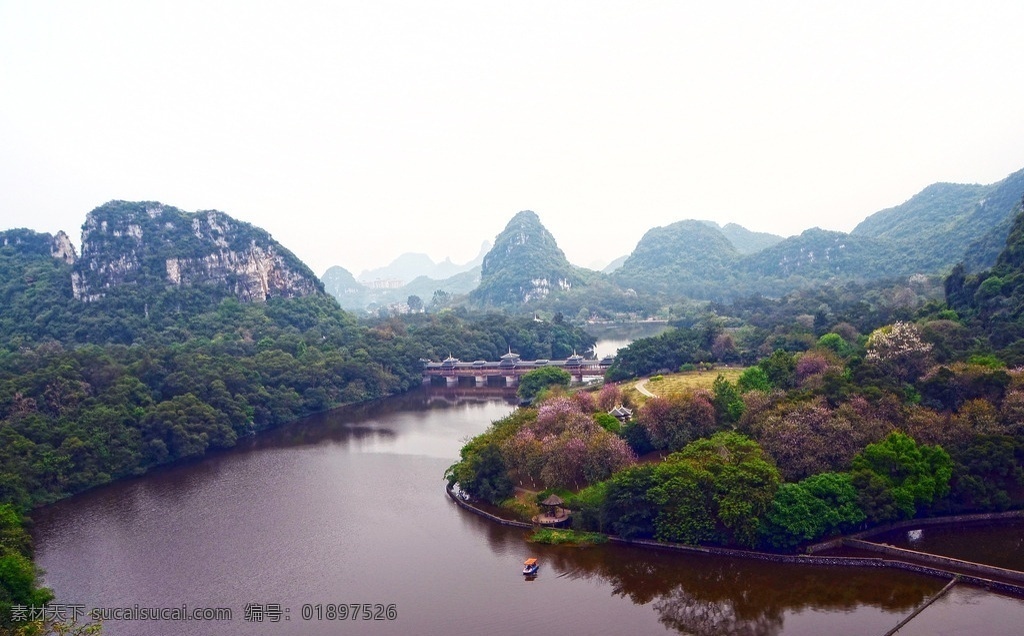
688 258
525 264
694 259
157 247
992 301
180 334
947 223
35 285
144 268
172 334
818 255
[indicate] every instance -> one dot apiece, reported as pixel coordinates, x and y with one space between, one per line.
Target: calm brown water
1000 544
349 507
963 610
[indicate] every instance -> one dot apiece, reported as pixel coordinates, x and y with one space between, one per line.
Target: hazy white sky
355 131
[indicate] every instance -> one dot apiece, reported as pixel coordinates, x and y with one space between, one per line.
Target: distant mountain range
354 295
410 266
410 274
151 259
942 225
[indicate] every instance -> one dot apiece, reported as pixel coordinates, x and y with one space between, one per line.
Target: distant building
621 413
388 283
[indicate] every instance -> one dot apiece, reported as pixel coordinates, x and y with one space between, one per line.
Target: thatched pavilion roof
552 500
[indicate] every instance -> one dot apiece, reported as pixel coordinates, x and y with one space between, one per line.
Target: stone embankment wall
988 571
980 578
838 542
465 505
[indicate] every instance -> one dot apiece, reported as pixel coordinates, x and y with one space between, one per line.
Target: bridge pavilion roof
514 362
509 359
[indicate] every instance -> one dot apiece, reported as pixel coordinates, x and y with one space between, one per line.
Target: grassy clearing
675 383
554 536
520 508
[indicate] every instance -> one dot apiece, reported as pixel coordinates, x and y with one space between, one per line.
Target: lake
348 507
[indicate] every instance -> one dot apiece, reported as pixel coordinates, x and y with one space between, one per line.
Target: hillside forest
846 424
863 400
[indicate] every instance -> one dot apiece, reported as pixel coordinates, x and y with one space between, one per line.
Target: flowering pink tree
812 365
556 414
585 401
524 455
673 422
1012 411
809 438
564 447
609 397
582 455
565 460
606 454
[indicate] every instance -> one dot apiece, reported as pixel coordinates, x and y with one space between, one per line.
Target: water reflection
405 424
701 595
704 595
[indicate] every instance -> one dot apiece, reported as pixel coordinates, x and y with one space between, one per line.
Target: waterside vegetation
836 431
575 538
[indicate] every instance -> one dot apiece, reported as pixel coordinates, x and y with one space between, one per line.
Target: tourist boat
530 567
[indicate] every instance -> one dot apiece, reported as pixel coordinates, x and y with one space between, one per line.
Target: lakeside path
641 386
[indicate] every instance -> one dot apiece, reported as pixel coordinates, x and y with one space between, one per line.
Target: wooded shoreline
809 558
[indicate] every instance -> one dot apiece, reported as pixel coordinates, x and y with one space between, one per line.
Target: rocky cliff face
40 243
154 245
525 264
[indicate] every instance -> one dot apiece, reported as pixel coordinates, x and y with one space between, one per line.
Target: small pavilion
621 413
554 514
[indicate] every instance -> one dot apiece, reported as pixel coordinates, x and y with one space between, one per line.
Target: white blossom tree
899 350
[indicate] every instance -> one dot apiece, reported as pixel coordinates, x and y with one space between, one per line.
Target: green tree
440 300
715 490
19 577
483 473
811 509
753 379
780 367
533 382
914 475
835 343
987 470
608 422
482 470
628 509
728 402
